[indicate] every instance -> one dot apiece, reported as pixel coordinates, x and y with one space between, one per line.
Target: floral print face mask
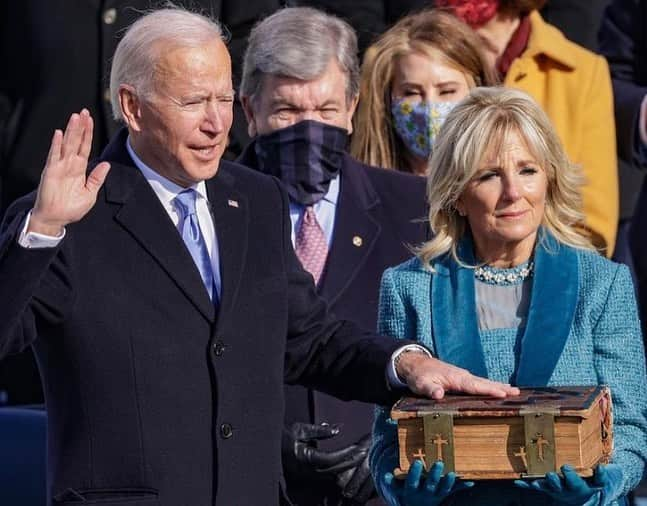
418 124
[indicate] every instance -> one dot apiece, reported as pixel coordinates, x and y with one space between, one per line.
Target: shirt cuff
34 240
391 376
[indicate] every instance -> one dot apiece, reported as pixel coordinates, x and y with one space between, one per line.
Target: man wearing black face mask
349 222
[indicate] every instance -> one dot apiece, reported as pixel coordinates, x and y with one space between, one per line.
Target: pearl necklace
496 276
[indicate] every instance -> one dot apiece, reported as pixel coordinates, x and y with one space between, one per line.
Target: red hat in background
474 12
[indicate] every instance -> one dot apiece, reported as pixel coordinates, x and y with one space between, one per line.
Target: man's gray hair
145 41
300 42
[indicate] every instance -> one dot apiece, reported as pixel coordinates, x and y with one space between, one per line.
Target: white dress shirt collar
332 195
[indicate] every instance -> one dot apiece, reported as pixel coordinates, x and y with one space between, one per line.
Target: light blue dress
581 328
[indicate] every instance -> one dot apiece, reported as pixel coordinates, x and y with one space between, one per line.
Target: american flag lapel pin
232 203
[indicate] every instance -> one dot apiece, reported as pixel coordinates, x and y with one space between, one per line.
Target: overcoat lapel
453 309
356 232
553 300
143 215
230 214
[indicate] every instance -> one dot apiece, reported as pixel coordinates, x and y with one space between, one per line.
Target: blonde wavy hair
433 32
479 125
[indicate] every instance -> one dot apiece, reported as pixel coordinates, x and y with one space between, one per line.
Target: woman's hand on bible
418 491
572 489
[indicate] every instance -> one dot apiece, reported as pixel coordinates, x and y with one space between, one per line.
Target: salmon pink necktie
310 244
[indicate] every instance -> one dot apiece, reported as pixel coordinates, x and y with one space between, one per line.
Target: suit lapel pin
357 241
232 203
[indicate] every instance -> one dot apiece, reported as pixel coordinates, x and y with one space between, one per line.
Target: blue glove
572 489
416 492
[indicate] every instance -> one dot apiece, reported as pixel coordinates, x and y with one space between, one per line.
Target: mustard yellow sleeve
598 158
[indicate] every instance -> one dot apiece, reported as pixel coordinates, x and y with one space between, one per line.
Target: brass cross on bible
522 455
541 442
439 442
420 455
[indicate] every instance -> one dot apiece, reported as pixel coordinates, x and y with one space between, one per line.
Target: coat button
226 430
219 348
110 16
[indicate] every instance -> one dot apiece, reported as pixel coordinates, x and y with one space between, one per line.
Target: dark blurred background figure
579 20
56 59
623 41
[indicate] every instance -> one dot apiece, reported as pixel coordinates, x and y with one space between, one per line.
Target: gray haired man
349 222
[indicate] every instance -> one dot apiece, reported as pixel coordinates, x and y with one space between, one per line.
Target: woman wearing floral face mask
411 78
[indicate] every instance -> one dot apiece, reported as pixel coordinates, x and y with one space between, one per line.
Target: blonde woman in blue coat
509 288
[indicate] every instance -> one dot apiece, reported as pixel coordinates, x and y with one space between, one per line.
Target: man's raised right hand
65 194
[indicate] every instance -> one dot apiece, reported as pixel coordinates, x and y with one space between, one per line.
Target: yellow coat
573 86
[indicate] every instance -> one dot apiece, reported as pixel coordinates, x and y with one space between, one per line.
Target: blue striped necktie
195 243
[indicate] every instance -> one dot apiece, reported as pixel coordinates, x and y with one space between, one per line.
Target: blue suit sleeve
619 362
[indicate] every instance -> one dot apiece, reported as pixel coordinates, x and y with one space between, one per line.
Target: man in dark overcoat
623 41
56 59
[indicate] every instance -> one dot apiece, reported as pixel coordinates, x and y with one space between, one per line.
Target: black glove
349 465
356 483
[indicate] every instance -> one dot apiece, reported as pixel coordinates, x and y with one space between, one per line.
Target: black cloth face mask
305 156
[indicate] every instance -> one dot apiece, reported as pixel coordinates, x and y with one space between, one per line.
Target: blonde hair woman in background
411 78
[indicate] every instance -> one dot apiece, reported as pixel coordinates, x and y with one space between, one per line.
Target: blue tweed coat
582 329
